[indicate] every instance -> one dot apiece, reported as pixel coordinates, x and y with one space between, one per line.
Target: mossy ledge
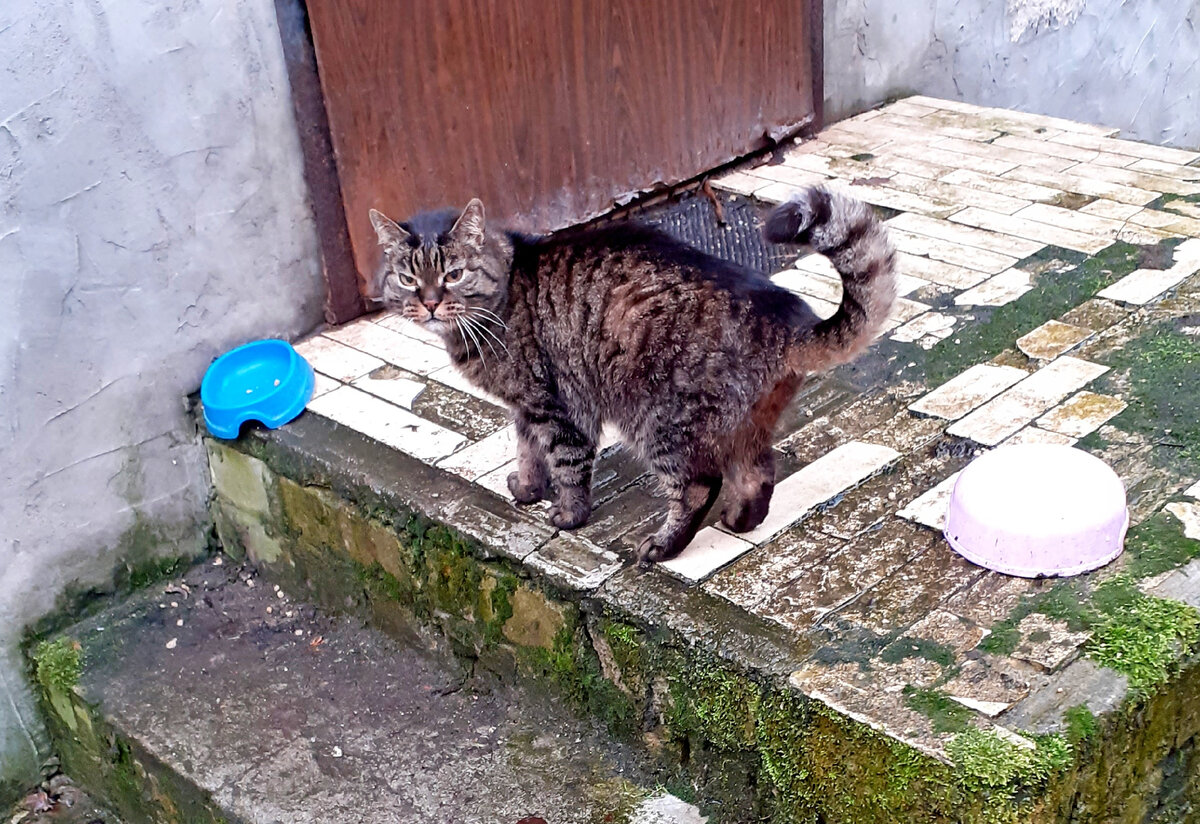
688 675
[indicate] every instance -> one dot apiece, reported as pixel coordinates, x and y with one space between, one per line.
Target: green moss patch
946 714
988 763
1157 545
908 647
58 664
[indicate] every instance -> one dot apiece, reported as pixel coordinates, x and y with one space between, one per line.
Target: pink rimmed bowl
1038 510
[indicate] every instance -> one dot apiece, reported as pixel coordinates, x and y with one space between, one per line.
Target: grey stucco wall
1132 64
152 215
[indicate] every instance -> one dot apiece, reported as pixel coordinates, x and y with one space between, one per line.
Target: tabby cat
691 357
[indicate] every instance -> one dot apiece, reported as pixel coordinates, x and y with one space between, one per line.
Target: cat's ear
468 229
387 230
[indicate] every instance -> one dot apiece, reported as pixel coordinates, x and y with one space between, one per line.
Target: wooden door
551 111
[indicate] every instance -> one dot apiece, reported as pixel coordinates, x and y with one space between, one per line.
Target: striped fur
692 357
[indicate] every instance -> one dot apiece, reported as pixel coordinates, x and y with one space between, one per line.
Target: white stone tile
450 376
980 238
997 290
497 480
1132 148
1110 209
1065 151
1172 170
818 265
335 359
967 391
951 159
1082 414
1032 434
1101 227
935 271
398 390
1138 180
1031 230
949 193
478 459
404 326
955 254
1144 285
1038 160
393 347
1168 221
936 134
904 310
664 808
1188 514
710 550
930 508
1193 491
1012 188
810 285
1083 184
738 182
789 175
323 384
1004 415
823 479
930 323
388 423
1052 339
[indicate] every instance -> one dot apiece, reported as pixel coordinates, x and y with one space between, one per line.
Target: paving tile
946 157
1100 689
809 284
1171 170
388 423
905 432
818 482
910 108
948 630
1047 643
1032 434
1103 207
930 507
459 411
1132 148
710 550
1193 491
401 350
336 360
480 458
1138 180
787 174
935 271
1019 405
923 132
907 202
830 582
753 579
1084 185
949 193
497 480
323 384
997 290
1082 414
979 238
1052 339
574 563
911 592
1182 584
389 383
738 182
450 376
837 417
1144 285
988 684
955 254
1188 514
994 596
1167 221
664 808
1090 224
1037 160
398 323
932 324
967 391
1003 185
1064 151
1031 230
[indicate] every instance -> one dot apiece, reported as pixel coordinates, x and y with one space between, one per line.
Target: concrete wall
1132 64
152 214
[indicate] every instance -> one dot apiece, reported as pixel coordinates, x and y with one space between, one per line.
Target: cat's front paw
650 552
570 511
526 493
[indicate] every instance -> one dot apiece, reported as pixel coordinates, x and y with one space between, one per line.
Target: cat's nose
431 305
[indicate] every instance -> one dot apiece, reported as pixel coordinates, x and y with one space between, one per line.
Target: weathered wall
1132 64
152 215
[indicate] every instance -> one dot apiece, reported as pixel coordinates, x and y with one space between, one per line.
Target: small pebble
250 583
299 632
174 604
279 594
337 752
218 561
171 644
179 623
269 610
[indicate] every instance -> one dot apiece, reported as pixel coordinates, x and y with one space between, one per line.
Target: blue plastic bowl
265 380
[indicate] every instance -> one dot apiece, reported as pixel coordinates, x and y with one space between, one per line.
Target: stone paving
1049 294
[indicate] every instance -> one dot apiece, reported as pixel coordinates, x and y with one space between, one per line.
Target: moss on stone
1157 545
58 664
909 647
986 762
1145 640
946 714
1082 724
713 700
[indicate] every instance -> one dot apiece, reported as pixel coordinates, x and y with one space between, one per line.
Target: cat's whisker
485 312
465 326
482 329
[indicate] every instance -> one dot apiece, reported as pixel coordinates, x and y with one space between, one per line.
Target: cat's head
442 266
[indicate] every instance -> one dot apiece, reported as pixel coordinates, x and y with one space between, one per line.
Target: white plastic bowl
1038 510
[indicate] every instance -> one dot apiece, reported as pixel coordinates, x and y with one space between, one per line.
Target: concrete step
217 697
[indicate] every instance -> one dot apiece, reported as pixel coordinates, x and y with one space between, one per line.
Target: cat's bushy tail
845 230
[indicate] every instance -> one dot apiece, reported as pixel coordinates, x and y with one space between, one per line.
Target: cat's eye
407 280
453 276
